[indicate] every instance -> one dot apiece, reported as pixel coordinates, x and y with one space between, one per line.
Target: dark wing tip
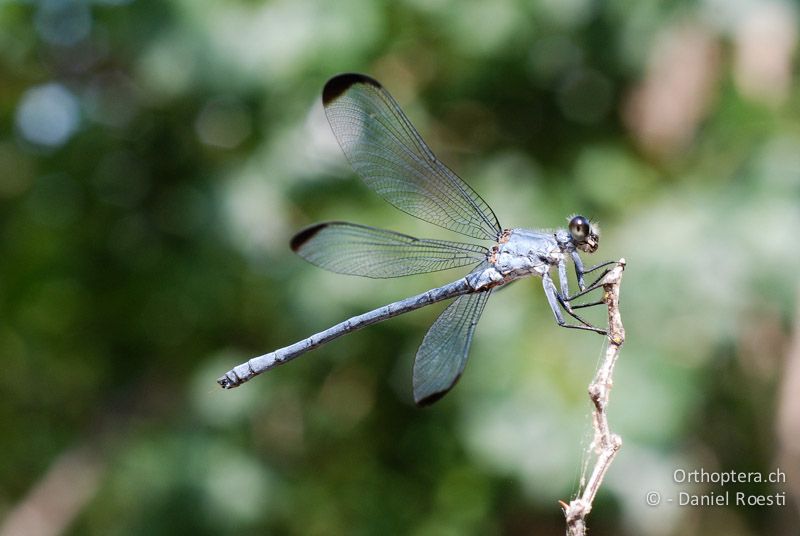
431 398
305 235
341 83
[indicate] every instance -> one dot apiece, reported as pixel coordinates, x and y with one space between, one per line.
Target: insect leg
563 282
597 283
590 304
579 271
596 266
555 302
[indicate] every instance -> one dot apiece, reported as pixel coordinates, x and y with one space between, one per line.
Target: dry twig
605 443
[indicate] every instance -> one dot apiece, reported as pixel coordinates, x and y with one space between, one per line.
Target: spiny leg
568 308
596 284
563 291
580 271
578 262
590 304
596 266
594 287
563 280
555 301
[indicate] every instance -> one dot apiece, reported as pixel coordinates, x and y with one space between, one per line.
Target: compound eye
579 228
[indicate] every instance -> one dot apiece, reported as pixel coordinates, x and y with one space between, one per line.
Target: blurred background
156 157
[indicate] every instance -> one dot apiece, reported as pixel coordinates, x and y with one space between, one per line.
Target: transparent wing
349 248
388 153
443 353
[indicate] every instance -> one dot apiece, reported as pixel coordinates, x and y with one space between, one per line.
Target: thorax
519 253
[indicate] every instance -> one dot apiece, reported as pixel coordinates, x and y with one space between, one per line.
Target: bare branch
605 443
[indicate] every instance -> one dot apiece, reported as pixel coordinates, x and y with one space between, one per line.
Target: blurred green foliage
155 158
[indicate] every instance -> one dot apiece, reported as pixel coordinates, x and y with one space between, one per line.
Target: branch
605 443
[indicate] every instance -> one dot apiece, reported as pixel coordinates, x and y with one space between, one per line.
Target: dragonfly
390 156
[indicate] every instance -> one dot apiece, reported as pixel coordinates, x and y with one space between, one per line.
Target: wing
443 354
348 248
388 153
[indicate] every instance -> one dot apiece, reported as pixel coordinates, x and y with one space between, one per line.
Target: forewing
442 356
388 153
349 248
